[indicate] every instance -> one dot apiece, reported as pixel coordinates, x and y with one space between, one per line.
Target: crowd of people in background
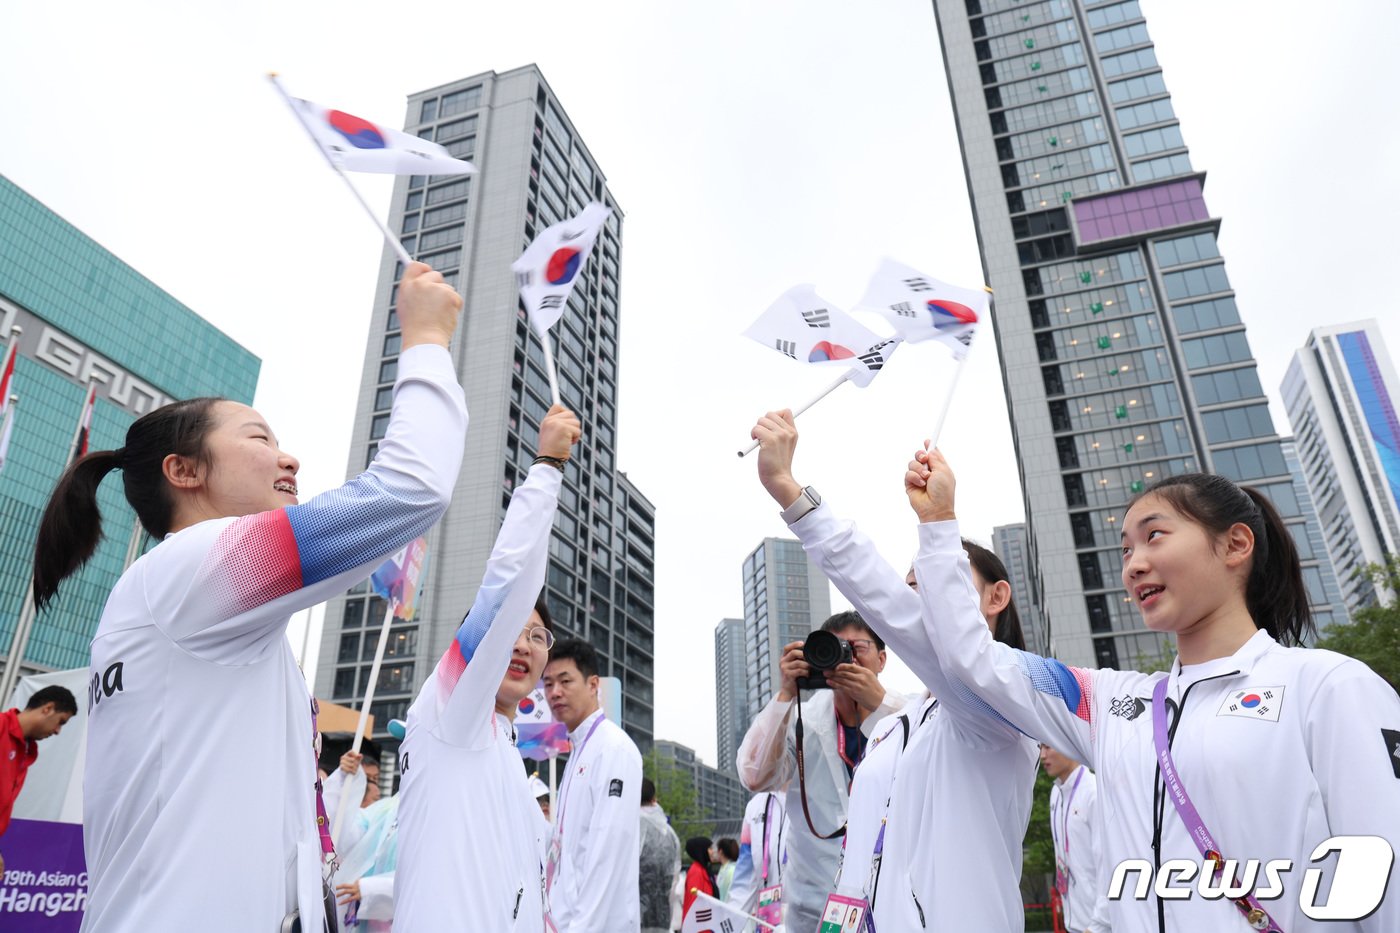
871 810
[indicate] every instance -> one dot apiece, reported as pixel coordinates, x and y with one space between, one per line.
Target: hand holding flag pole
843 378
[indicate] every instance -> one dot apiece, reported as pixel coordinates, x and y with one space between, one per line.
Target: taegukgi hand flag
357 145
549 267
708 915
396 580
922 308
808 328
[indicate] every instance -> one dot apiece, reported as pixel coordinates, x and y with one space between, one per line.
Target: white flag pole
821 395
947 403
388 236
364 709
553 788
549 370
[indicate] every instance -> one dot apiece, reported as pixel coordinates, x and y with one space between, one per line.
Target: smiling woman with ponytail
198 678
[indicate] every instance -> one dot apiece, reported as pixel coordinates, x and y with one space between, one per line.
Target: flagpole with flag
840 380
397 580
7 369
547 271
7 429
350 142
712 916
19 642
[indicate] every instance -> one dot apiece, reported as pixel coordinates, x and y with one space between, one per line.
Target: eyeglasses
539 637
862 646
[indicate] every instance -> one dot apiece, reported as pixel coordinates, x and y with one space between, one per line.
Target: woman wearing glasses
470 831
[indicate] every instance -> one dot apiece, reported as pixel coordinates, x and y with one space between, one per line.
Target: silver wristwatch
805 503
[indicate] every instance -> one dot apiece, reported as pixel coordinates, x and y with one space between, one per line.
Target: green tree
676 792
1373 634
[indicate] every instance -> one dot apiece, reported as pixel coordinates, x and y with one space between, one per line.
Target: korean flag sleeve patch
615 787
1392 748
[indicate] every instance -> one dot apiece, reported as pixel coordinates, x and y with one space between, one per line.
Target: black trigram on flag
818 317
918 284
904 309
786 346
965 338
550 302
523 278
874 358
704 914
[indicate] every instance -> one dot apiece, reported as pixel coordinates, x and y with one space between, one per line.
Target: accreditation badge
844 914
1061 877
770 904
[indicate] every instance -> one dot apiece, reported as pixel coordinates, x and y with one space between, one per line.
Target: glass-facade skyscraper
82 310
731 691
1341 393
1124 355
785 597
534 170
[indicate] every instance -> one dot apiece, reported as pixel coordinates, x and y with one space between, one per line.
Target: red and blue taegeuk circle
825 351
527 706
562 266
950 313
1250 701
361 134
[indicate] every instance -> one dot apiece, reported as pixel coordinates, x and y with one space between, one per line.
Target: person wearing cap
470 831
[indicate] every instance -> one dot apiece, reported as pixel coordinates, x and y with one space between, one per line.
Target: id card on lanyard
769 908
844 914
1062 874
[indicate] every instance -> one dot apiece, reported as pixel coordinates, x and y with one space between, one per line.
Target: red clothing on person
695 877
16 755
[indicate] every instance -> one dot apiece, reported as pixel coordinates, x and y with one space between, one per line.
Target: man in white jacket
594 851
836 724
1078 872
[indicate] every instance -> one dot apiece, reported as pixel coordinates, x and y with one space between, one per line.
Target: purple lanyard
564 804
1064 822
323 825
1254 913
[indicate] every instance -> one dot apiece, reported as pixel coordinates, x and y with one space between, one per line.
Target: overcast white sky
752 146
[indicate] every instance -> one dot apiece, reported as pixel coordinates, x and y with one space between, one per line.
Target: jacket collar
1241 662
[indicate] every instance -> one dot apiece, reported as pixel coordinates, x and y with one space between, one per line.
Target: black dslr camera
823 651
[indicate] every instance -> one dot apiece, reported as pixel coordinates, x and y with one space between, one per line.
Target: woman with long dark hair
1251 749
200 758
699 876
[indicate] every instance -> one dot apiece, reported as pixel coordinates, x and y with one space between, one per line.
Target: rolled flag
549 267
397 579
922 308
5 432
805 327
85 422
7 372
357 145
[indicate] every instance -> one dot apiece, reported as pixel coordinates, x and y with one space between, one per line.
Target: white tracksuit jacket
1313 758
1076 837
962 789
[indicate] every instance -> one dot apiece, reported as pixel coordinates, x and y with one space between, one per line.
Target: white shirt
469 824
767 760
598 830
963 787
368 851
1270 783
1076 844
764 832
200 765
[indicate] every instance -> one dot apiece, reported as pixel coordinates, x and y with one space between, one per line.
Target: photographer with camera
812 755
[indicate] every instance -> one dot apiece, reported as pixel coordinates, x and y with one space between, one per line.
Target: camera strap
802 779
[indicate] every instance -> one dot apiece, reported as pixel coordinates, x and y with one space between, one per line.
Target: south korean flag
1253 703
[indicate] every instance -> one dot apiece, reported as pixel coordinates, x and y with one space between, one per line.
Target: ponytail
1275 594
71 527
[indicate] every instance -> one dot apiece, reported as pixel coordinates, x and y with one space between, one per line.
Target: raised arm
1042 697
878 592
469 673
259 569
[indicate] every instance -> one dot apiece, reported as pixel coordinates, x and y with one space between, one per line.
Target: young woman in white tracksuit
192 673
470 830
1248 749
961 795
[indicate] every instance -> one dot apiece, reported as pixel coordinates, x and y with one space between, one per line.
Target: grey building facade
731 691
718 791
1124 355
1013 545
533 170
785 597
1324 593
1341 393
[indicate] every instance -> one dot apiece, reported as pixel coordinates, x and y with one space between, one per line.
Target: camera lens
822 650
